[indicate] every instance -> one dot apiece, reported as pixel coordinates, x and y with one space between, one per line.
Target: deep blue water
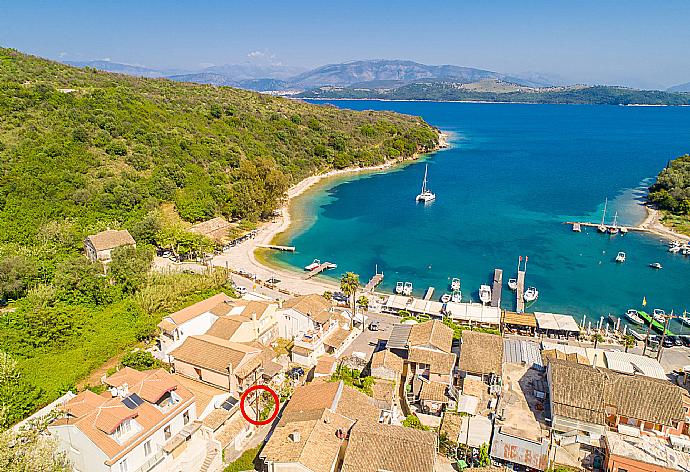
513 175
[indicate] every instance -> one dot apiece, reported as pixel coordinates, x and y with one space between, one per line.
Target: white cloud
63 54
106 59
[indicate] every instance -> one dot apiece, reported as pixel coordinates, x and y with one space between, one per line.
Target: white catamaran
426 195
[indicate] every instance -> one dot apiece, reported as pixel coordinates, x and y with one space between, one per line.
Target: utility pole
663 335
646 339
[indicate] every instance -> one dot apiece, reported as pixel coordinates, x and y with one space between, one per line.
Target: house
314 426
634 453
193 320
225 364
374 448
481 355
216 229
99 246
593 400
386 365
145 421
557 325
302 314
325 367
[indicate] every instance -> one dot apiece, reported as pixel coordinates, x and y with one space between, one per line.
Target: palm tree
349 282
597 338
363 302
628 342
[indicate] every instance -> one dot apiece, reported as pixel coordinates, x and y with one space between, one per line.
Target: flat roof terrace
521 413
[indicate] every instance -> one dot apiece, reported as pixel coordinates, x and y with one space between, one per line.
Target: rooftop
199 308
649 450
213 353
556 322
431 333
216 229
111 239
520 412
439 362
388 360
310 305
481 353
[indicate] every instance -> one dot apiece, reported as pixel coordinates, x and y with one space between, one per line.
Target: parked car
296 372
241 290
677 341
374 326
668 341
685 340
340 297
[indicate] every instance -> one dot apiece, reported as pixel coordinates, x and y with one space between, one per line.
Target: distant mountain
402 72
492 90
680 88
263 85
120 68
249 71
204 78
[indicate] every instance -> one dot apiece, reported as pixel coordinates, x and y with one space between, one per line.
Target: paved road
366 342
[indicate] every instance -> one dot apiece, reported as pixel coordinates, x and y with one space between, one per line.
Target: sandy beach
652 223
242 257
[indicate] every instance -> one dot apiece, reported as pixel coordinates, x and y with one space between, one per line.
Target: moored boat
602 227
613 229
445 298
426 195
620 257
407 288
455 284
531 294
655 265
313 265
634 317
485 294
512 284
456 297
399 287
659 315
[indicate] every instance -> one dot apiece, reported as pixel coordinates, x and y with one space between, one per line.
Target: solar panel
229 404
132 401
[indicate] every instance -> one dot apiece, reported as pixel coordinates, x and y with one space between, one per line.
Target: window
622 470
147 448
123 429
185 417
123 466
167 433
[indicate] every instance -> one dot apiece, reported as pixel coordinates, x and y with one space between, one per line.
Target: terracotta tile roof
225 308
357 406
111 239
586 393
126 375
336 338
192 311
433 333
314 306
225 327
212 353
549 354
228 430
302 351
325 365
381 447
217 418
308 401
439 362
384 392
98 418
154 386
203 392
388 360
434 391
250 364
481 353
217 229
256 308
520 319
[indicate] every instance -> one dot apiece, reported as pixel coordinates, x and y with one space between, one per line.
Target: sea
514 173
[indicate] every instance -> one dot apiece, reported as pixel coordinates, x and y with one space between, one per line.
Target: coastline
243 256
653 225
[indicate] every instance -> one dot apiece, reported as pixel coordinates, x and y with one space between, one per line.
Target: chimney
123 390
295 436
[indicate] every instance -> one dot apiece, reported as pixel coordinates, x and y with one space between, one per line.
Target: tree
31 450
363 302
129 267
484 459
16 274
328 295
628 342
349 282
597 338
140 360
18 397
413 422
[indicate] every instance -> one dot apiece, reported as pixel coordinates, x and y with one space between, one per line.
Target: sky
634 43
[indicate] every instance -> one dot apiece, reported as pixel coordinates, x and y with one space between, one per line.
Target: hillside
680 88
83 150
500 91
671 194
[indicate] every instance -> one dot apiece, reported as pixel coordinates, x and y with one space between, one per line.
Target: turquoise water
513 175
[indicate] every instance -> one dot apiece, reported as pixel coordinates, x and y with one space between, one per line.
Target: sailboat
614 229
602 227
426 195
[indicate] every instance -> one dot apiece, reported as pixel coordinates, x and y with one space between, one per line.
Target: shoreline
243 256
653 225
486 102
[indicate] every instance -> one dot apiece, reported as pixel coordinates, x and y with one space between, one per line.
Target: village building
145 421
325 367
556 325
99 246
386 365
216 229
634 453
481 356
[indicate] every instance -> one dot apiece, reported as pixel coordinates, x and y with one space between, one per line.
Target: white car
241 290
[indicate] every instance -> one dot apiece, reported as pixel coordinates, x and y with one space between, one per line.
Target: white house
146 421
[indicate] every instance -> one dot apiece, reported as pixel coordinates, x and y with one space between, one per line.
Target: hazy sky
636 43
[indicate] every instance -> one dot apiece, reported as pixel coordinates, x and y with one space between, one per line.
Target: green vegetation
457 328
354 378
31 450
249 460
349 283
447 91
141 360
671 194
412 421
82 150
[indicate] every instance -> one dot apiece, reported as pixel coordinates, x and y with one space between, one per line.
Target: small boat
512 284
620 257
674 249
407 288
658 312
655 265
426 195
624 230
313 265
685 320
602 227
485 294
632 316
455 284
332 265
614 228
457 297
399 287
576 227
531 294
445 298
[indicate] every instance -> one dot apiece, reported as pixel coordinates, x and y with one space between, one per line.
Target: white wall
291 323
194 327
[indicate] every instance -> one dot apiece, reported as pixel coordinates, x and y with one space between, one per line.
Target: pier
658 327
580 224
319 269
520 291
496 289
429 293
373 282
277 247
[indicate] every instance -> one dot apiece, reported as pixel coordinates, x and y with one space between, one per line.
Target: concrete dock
580 224
373 282
319 269
429 293
520 291
497 288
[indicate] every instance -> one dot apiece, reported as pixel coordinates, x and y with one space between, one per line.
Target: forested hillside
671 193
83 150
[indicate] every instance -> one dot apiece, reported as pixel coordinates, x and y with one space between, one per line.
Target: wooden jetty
520 291
658 327
277 247
373 282
429 293
497 287
319 269
580 224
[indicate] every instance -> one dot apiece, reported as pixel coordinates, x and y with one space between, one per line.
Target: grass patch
283 346
247 461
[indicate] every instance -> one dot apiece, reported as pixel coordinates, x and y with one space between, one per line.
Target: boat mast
426 168
615 219
603 217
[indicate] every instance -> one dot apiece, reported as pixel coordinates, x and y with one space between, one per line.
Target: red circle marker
275 400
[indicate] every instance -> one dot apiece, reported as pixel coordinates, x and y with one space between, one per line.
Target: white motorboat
512 284
398 287
426 195
620 257
485 294
624 230
445 298
674 249
407 288
659 315
531 294
632 316
655 265
685 320
614 228
313 265
456 297
455 284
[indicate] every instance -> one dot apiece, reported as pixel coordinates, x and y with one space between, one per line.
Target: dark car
685 340
677 341
340 297
668 341
296 372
